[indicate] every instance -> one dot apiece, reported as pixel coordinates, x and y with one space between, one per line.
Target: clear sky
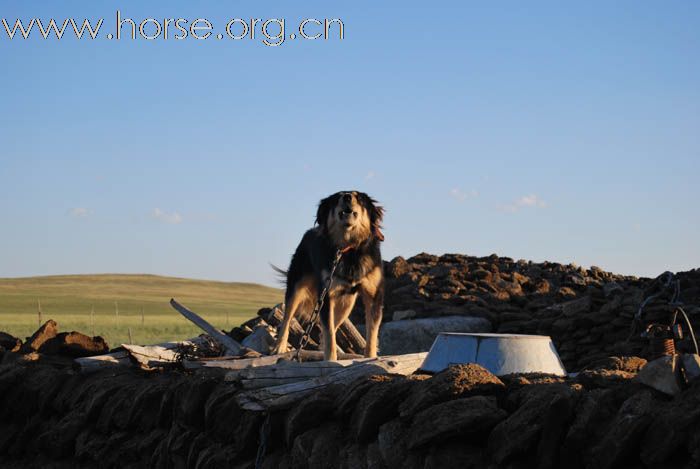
564 131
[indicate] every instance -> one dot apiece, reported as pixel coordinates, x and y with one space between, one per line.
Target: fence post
38 310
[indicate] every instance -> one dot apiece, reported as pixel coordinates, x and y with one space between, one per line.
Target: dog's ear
324 208
376 215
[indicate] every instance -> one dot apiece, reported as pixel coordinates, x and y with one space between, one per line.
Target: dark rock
455 382
674 423
9 343
345 402
555 421
475 415
628 364
143 414
317 448
307 414
397 267
592 414
393 446
621 442
189 402
456 454
518 435
603 378
222 414
377 406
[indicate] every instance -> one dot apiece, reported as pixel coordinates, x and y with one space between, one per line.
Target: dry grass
69 299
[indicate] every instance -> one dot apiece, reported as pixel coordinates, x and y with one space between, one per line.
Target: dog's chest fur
354 267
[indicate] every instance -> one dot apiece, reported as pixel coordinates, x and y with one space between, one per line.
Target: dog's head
350 218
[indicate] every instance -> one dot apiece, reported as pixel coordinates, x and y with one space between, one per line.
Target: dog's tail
281 273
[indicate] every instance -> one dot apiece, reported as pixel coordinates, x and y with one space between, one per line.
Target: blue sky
537 130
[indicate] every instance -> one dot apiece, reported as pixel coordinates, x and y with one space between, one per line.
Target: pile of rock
587 312
463 416
47 341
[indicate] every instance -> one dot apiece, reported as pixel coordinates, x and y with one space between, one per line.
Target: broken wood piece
230 346
277 397
296 330
232 363
290 369
124 357
151 356
98 362
349 338
286 373
262 339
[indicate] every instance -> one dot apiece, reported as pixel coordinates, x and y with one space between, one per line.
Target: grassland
118 302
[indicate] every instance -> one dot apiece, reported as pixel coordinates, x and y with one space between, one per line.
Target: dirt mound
47 331
9 342
47 341
74 344
588 312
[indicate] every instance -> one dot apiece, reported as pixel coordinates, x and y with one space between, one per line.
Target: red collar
347 249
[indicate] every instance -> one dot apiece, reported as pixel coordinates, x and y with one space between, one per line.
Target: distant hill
69 299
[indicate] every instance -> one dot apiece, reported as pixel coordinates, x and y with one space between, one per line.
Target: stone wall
587 312
462 417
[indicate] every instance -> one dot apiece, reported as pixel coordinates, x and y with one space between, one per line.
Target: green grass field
69 300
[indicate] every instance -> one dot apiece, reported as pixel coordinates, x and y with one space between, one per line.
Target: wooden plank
153 356
123 357
283 396
98 362
286 369
233 363
230 346
286 373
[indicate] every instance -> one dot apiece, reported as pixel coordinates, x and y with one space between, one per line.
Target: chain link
264 435
265 428
319 305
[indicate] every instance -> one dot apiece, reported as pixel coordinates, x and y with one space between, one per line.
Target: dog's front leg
372 293
328 330
374 310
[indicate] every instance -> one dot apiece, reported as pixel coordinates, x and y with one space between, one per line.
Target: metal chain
262 447
319 304
265 428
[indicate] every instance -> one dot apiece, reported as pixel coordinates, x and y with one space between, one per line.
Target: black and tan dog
350 222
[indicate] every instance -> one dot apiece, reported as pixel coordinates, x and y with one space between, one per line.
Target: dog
350 223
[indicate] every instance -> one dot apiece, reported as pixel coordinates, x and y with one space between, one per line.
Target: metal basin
501 354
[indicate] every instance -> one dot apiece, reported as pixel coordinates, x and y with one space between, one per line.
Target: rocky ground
462 417
587 312
600 417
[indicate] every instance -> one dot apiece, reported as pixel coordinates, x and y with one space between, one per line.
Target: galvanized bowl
501 354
